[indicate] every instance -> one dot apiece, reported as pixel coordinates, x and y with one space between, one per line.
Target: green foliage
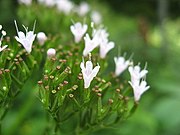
61 90
158 111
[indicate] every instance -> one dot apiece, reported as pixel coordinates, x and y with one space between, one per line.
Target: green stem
0 126
56 128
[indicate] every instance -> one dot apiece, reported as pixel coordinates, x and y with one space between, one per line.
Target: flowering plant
73 88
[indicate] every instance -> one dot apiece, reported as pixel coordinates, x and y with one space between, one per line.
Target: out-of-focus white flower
51 52
136 74
78 30
48 3
83 9
26 2
105 47
88 72
3 33
96 17
41 37
25 39
120 65
90 44
64 6
139 89
101 37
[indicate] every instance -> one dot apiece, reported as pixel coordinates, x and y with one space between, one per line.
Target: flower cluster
16 67
67 7
68 86
99 38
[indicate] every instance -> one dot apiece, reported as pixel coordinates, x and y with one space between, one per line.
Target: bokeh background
148 28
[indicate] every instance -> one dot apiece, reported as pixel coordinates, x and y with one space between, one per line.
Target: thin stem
0 126
1 118
56 128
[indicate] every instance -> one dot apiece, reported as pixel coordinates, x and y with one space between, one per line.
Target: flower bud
51 52
3 33
41 37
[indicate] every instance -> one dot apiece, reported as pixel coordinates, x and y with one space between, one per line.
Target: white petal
21 35
19 40
95 71
72 29
105 48
143 73
137 69
82 66
85 27
2 48
87 83
130 69
89 66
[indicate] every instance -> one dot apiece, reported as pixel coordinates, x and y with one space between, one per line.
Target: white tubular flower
41 37
25 39
139 89
88 72
78 30
136 74
2 48
51 52
96 17
120 65
90 44
83 9
105 47
64 6
26 2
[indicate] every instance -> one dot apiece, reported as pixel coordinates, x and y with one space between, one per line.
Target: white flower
51 52
96 17
101 34
48 3
83 9
139 89
78 30
105 47
100 38
136 74
90 44
88 72
41 37
25 39
2 48
26 2
65 6
120 65
3 33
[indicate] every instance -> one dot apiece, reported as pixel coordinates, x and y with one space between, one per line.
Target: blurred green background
148 28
